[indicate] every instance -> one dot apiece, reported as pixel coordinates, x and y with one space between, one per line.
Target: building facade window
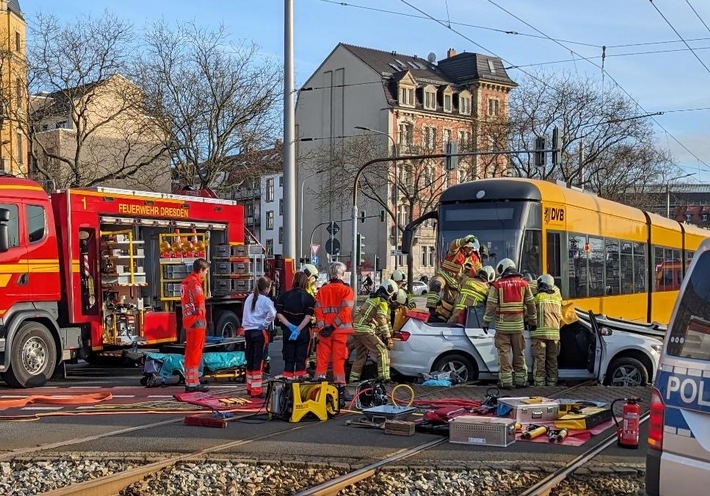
465 105
493 107
406 133
429 140
20 149
18 93
425 252
281 181
406 96
18 41
429 99
432 256
270 247
269 219
270 190
464 140
447 102
281 206
281 235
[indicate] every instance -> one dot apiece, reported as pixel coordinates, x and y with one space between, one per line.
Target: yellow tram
605 256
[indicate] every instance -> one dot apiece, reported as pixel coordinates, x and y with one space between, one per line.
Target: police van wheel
33 356
626 371
458 364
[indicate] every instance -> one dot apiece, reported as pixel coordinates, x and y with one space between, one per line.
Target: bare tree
607 142
213 98
86 123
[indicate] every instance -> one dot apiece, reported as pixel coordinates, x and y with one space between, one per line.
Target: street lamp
300 215
668 192
396 189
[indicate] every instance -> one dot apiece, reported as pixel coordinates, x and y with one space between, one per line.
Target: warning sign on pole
314 250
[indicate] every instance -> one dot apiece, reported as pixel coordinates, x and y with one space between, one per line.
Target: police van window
690 334
613 279
36 223
13 229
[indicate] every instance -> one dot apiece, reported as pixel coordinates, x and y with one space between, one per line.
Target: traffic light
362 216
382 215
360 249
556 147
451 161
540 152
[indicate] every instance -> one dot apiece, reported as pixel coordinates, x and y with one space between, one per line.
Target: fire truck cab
91 270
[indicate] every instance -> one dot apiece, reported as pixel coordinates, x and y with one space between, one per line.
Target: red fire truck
92 270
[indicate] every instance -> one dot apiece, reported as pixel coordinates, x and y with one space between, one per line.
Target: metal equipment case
482 431
546 410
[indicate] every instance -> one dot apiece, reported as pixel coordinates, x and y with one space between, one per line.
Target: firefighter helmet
487 273
401 297
545 282
310 270
389 288
505 264
398 276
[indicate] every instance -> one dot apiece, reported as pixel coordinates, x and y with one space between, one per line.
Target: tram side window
532 253
639 267
595 254
613 279
577 266
627 267
554 252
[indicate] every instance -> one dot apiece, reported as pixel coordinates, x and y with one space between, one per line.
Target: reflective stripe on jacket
549 315
511 303
373 318
334 306
192 299
473 291
452 265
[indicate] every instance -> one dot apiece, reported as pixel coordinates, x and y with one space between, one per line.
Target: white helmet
389 287
310 270
487 273
401 297
505 264
398 276
545 282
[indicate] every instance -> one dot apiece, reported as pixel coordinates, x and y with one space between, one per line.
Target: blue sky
644 54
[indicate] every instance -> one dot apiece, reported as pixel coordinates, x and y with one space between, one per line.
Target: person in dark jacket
294 310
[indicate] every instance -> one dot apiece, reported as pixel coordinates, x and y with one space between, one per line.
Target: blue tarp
166 364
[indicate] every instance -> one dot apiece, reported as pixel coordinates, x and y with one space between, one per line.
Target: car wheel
459 364
626 371
33 356
422 293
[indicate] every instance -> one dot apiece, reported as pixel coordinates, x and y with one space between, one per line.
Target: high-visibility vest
512 303
549 315
192 299
334 306
373 318
472 292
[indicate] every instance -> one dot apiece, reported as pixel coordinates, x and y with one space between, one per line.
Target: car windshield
499 225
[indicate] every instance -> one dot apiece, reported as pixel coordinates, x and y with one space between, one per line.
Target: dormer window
406 96
465 105
430 98
447 102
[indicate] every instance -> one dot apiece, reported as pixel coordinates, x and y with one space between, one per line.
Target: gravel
236 478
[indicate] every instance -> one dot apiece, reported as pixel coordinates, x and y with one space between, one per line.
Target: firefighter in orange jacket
334 319
511 303
444 286
194 321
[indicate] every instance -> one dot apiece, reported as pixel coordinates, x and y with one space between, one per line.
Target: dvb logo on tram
554 214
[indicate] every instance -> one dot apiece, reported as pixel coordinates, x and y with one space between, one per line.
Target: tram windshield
506 228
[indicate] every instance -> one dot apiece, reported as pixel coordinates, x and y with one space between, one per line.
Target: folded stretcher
159 367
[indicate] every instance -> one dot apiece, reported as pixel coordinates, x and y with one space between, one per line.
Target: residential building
13 89
255 179
412 106
682 202
97 134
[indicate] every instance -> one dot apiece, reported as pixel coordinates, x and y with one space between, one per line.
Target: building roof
14 7
254 164
459 69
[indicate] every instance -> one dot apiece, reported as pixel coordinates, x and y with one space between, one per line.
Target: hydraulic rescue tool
533 430
292 401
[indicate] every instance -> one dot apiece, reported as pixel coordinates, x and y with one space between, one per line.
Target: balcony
409 149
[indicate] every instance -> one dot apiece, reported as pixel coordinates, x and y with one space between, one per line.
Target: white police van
678 459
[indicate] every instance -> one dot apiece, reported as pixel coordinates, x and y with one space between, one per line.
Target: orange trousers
334 347
194 344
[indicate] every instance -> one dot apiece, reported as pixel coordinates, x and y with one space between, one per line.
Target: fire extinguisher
627 430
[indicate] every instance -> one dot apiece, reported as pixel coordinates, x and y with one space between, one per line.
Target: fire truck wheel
33 358
226 327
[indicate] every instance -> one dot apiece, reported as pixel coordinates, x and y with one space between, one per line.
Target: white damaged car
615 352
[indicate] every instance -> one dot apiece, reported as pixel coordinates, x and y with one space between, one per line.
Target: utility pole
289 245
